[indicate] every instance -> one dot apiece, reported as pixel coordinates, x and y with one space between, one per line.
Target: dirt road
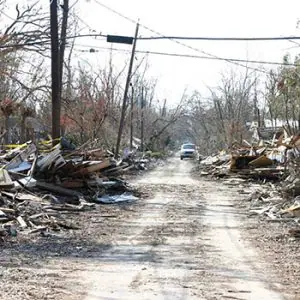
185 242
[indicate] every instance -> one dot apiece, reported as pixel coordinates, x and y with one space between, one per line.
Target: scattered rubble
267 175
41 185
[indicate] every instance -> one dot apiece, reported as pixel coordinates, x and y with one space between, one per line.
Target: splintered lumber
99 153
241 162
7 210
261 161
64 208
116 169
21 222
75 183
93 167
37 229
22 196
98 166
49 158
35 216
28 182
57 189
128 168
294 210
67 168
3 216
261 173
5 180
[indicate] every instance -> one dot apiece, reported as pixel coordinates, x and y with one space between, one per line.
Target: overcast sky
215 18
238 18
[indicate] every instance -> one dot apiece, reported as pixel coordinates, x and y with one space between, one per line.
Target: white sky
215 18
220 18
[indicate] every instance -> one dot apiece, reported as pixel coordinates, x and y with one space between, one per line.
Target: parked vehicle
188 151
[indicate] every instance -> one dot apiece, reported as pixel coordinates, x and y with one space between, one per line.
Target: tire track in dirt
246 275
186 244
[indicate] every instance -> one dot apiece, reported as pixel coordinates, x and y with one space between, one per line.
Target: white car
188 151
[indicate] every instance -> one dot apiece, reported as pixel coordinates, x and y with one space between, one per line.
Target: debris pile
244 162
216 165
270 202
268 172
41 185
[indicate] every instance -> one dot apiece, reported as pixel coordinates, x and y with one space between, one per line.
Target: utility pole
131 117
63 36
142 120
55 76
123 111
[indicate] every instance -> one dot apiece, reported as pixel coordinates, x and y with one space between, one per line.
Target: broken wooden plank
116 169
128 168
4 217
57 189
75 183
241 162
28 182
21 222
49 158
93 167
22 196
62 208
5 180
261 161
37 229
294 210
98 153
7 210
35 216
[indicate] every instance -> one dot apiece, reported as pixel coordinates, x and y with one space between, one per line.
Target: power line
45 41
204 52
92 50
163 37
217 58
116 12
288 38
175 41
86 24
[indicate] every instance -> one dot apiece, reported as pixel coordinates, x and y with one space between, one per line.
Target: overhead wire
92 50
48 40
207 38
175 41
86 24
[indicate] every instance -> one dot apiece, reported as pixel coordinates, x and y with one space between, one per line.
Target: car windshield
190 146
